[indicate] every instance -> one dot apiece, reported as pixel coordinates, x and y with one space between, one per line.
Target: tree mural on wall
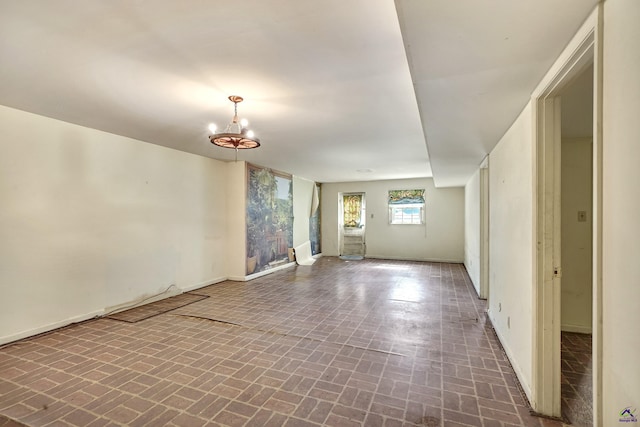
269 218
314 227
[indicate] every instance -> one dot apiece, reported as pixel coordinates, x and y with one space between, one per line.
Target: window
406 207
352 206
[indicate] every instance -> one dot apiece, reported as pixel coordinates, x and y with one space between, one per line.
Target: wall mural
314 227
269 218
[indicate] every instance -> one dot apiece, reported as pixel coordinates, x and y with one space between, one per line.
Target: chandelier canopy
235 135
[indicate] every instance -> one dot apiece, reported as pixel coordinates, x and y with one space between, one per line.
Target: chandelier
235 135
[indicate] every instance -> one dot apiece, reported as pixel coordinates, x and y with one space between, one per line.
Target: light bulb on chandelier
235 135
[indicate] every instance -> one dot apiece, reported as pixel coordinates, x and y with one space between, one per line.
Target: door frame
363 208
584 49
484 229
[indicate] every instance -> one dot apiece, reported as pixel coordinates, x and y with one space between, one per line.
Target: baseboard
99 313
395 258
50 327
576 328
475 286
204 284
526 388
261 273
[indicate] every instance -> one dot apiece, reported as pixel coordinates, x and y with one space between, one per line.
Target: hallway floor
339 343
577 389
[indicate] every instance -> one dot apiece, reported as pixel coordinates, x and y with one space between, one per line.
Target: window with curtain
352 206
406 207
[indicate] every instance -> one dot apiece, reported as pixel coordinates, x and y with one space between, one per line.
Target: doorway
351 224
484 229
576 241
583 52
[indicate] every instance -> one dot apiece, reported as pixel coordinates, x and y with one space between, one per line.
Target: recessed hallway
364 343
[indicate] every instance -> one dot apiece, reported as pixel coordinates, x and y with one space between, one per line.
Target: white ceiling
474 65
334 89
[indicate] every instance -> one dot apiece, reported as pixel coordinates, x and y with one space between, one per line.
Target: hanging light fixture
235 135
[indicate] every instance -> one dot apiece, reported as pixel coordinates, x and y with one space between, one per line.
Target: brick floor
339 343
577 383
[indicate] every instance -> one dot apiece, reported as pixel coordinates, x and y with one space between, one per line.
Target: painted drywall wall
236 253
621 205
511 244
472 229
440 239
92 220
576 234
302 194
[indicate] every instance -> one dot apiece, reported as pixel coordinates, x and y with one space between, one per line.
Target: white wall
511 222
576 253
236 251
472 229
621 207
302 193
91 220
511 244
440 239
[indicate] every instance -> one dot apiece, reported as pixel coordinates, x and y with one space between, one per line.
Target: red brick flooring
577 383
339 343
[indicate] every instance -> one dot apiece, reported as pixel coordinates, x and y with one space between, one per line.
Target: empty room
336 213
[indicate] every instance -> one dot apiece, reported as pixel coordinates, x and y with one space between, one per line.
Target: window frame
399 200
